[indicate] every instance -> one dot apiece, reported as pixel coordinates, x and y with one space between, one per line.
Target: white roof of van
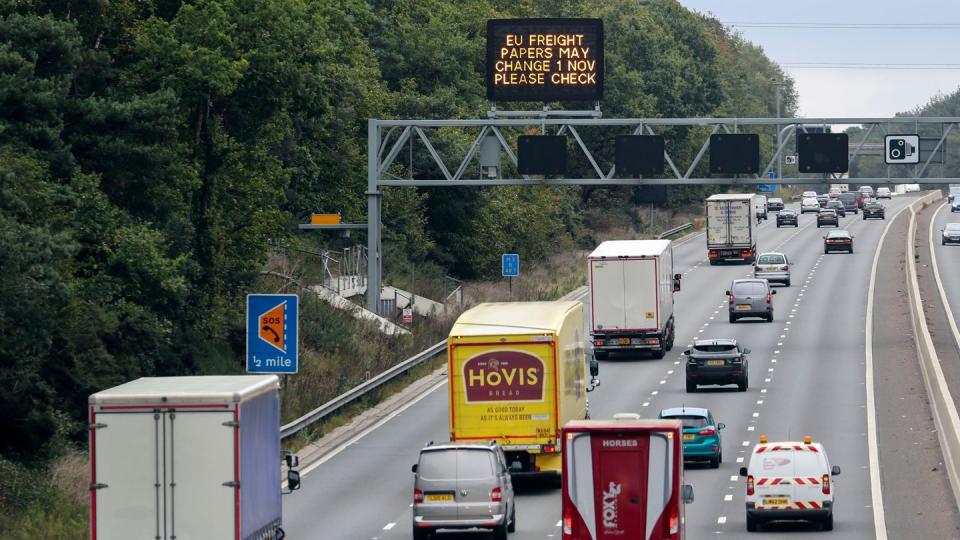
730 197
198 389
630 248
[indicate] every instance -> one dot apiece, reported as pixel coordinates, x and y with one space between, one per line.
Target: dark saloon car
839 240
787 217
716 361
873 210
851 201
823 199
835 204
774 204
827 216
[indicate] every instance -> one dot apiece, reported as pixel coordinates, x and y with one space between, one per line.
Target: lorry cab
789 480
623 478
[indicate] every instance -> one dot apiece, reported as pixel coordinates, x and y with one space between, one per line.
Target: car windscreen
752 287
689 421
778 201
771 259
455 463
717 347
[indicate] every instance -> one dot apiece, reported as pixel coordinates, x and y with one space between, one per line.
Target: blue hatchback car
701 434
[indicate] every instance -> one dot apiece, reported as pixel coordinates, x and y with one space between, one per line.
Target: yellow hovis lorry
518 373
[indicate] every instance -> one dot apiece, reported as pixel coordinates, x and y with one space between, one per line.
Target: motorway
807 377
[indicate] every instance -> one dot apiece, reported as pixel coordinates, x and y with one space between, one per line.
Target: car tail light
417 496
598 342
567 522
496 494
674 520
750 490
757 269
784 268
652 341
769 298
826 484
707 432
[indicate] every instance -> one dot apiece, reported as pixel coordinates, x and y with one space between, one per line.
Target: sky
893 33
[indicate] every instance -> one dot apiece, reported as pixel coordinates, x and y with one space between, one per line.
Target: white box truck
187 458
631 296
731 228
953 191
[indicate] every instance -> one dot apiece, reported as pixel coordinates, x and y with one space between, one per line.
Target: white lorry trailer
731 228
187 458
631 296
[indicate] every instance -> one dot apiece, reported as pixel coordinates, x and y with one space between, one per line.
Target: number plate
689 436
775 502
624 341
743 308
440 497
715 362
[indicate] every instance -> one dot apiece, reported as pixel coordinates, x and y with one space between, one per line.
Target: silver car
773 267
750 298
462 486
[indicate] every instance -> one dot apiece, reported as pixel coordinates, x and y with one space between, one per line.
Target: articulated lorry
517 373
731 228
623 478
631 297
187 458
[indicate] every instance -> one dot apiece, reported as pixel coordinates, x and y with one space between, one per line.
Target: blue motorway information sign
510 266
272 340
767 188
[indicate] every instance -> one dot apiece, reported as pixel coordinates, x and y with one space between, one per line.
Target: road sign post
273 333
510 268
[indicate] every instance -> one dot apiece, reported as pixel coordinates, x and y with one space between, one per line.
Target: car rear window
690 421
721 347
453 464
838 234
772 259
749 288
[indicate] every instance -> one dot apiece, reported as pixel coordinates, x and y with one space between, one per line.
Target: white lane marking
663 382
746 443
646 404
767 379
734 478
655 392
759 402
876 489
763 391
750 428
353 440
389 526
721 520
774 360
728 497
740 459
669 372
755 415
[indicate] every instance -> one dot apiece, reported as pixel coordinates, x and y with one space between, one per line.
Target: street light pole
779 84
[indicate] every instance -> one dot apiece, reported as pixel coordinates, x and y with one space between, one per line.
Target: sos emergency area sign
272 338
544 59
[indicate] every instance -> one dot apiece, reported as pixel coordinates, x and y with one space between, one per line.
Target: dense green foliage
150 149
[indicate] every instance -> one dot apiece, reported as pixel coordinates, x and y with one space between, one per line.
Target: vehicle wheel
600 355
818 225
691 386
733 319
668 345
512 527
715 462
713 263
500 532
825 251
420 534
720 457
751 524
787 283
742 385
943 242
658 353
778 225
851 250
828 523
770 317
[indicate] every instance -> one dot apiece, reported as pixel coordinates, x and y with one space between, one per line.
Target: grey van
462 486
750 298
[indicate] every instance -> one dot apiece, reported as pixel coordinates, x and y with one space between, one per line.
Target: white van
789 480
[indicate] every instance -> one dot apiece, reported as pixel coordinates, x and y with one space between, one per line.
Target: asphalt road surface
807 377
